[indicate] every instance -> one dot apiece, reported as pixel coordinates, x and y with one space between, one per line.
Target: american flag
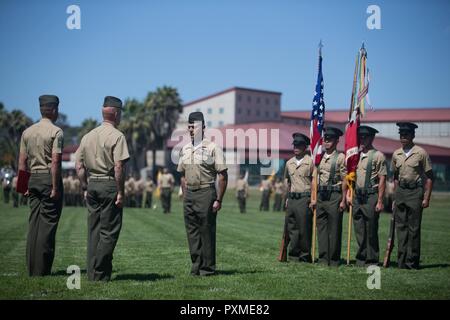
317 116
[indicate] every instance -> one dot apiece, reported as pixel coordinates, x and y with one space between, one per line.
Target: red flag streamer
351 134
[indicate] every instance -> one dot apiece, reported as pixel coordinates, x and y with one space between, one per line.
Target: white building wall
218 111
253 106
435 133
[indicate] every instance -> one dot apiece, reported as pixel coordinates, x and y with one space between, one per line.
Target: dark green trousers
43 222
23 200
15 197
408 220
200 222
148 200
265 201
78 201
139 198
299 223
66 199
6 192
242 203
329 229
166 199
365 221
277 204
104 225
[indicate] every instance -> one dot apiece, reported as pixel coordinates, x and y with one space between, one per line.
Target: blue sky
126 48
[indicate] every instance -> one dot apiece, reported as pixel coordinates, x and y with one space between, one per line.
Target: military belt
326 191
410 185
101 178
299 195
201 186
41 171
332 188
362 191
363 194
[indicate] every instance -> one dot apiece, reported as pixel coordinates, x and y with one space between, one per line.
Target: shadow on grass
394 265
233 272
64 272
143 277
432 266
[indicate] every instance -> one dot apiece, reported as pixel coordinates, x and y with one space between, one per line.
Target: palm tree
86 126
12 125
165 105
136 125
62 121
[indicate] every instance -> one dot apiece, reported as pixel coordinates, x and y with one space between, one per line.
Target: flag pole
350 176
349 238
314 197
314 190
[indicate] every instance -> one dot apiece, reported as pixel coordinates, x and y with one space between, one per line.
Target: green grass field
151 260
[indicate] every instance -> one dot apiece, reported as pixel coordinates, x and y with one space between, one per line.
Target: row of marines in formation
277 189
103 152
413 178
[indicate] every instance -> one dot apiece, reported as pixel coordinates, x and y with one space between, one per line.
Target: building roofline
386 145
229 90
375 110
378 115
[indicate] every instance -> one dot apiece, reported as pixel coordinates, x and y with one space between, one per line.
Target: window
275 115
209 124
198 109
239 97
209 110
267 101
267 114
221 110
248 112
220 123
258 100
258 113
249 99
239 110
275 101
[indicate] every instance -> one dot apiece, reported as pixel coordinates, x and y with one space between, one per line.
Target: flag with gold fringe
357 109
158 189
